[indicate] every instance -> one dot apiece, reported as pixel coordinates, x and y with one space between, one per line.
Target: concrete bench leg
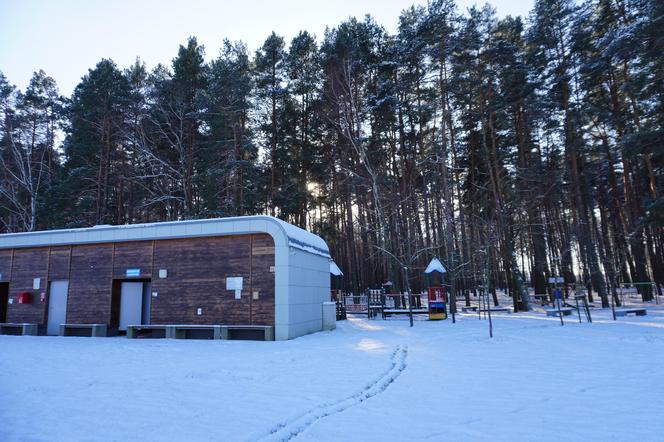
170 332
99 331
29 329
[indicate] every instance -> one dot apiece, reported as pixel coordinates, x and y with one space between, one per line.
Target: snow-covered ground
366 381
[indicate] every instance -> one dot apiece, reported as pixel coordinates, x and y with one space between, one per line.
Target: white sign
234 283
36 283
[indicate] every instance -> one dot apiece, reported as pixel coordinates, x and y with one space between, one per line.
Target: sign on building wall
235 283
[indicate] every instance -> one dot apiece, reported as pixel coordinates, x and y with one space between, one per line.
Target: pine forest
513 149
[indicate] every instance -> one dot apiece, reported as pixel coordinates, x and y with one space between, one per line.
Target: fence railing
389 301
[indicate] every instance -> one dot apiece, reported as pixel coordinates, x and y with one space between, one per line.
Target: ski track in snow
289 430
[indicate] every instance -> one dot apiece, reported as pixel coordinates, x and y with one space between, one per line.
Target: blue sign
133 272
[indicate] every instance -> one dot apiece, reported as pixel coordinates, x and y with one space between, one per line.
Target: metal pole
558 296
613 307
488 304
410 297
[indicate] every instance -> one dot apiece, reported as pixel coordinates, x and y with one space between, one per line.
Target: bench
149 331
86 330
404 311
202 331
469 309
554 311
18 329
248 332
497 310
634 311
194 331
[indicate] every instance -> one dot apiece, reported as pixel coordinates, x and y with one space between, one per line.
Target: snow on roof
335 270
297 237
435 266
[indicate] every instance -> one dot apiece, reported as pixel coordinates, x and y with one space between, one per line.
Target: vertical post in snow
488 308
558 295
578 311
560 312
410 297
613 289
487 301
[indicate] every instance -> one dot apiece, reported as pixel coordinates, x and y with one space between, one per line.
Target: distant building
253 270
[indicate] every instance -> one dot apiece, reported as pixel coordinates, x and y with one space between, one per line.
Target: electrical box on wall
199 311
36 283
163 273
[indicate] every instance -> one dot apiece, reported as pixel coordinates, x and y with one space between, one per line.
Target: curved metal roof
296 237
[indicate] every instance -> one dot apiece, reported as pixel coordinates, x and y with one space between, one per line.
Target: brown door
4 299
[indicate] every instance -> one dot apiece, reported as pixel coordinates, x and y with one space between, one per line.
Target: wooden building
254 270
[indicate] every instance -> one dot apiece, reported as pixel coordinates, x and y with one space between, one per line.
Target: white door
131 304
57 306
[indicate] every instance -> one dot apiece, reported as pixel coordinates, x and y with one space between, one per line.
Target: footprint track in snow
289 430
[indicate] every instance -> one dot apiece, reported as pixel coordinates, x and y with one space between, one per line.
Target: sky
65 38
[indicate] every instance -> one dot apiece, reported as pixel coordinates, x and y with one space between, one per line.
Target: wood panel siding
58 267
132 255
262 309
28 264
5 264
90 284
197 271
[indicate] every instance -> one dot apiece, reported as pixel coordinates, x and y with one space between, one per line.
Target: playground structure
561 299
378 303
